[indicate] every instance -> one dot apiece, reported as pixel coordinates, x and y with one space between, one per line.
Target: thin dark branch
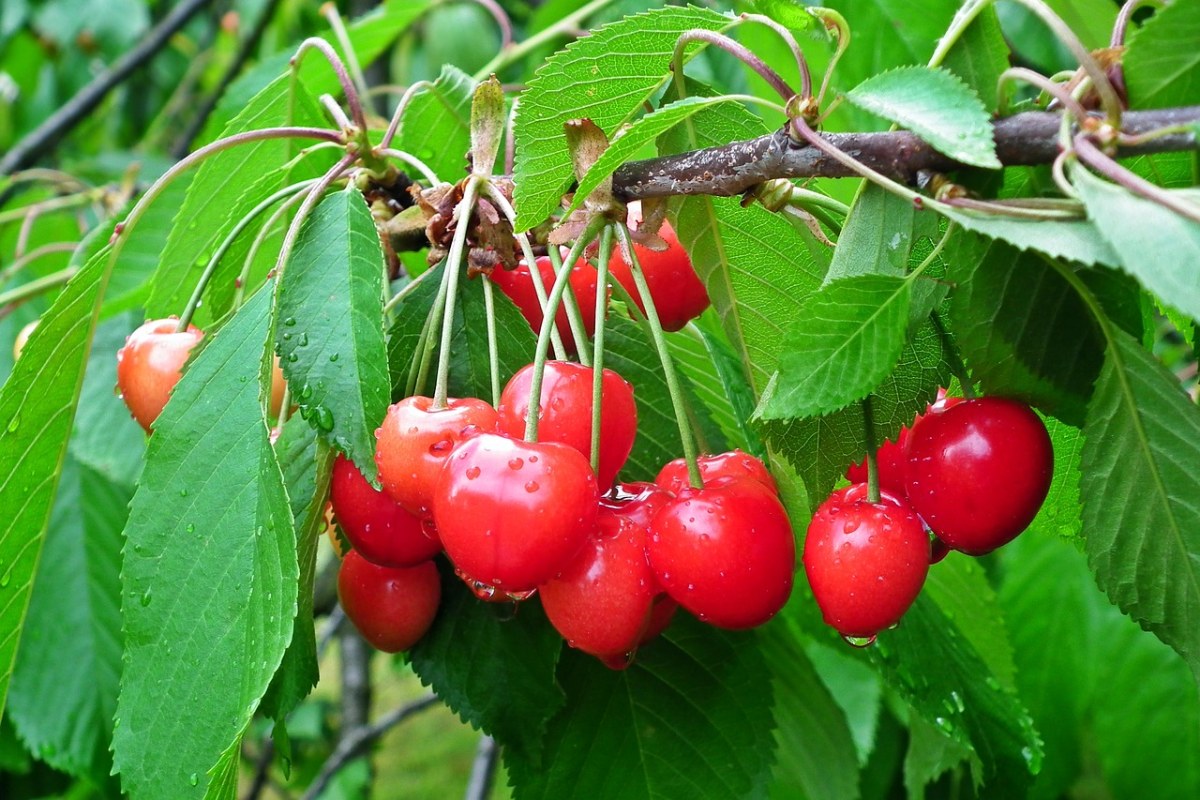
1023 139
196 124
262 770
353 746
483 769
42 139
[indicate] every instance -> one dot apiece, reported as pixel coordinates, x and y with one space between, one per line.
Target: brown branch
1023 139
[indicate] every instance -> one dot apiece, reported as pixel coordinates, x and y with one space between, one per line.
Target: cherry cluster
973 473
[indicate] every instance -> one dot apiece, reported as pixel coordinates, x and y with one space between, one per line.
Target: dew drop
850 526
290 321
532 486
6 578
14 423
303 340
146 598
516 463
190 527
472 473
333 356
440 447
324 418
859 641
183 492
194 779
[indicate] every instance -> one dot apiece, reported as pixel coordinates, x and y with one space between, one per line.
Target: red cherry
678 294
661 613
734 464
518 286
603 601
891 455
566 413
392 607
511 513
378 528
978 471
415 440
866 562
725 552
150 364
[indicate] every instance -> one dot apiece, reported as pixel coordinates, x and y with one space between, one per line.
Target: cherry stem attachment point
454 263
868 411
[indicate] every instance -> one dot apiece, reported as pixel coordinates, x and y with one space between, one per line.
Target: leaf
718 383
1073 240
1141 496
493 667
1162 66
33 443
930 754
634 137
217 196
980 56
64 686
691 718
845 340
330 342
436 126
487 125
961 590
133 274
470 365
1154 244
603 77
409 317
937 106
879 235
210 571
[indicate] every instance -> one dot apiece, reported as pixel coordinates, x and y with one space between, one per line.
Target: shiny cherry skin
377 526
725 552
892 455
511 513
392 607
678 294
150 364
415 440
733 464
602 601
866 562
977 472
566 413
518 286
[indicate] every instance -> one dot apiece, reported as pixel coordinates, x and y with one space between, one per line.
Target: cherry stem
598 342
1093 157
398 114
53 204
1055 90
502 21
260 238
957 367
339 69
412 161
423 356
335 112
543 341
734 48
678 406
211 267
868 411
793 45
489 306
835 22
454 262
570 303
330 12
568 23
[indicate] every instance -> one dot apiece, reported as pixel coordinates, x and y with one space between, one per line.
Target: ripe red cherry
678 294
511 514
725 552
378 528
891 455
733 464
150 364
415 440
392 607
603 601
977 472
566 413
866 562
518 286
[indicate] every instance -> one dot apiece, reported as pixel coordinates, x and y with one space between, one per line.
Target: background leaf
1162 68
436 127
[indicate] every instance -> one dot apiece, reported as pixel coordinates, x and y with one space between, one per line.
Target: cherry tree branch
1023 139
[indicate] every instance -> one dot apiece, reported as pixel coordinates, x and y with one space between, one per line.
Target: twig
483 769
353 746
42 139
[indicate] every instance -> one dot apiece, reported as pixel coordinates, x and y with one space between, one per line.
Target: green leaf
210 571
980 56
791 13
470 367
1141 495
33 443
217 196
604 77
64 686
930 754
409 317
1073 240
718 382
436 126
1162 64
961 590
937 106
330 341
691 718
133 274
1155 245
493 668
879 235
634 137
845 340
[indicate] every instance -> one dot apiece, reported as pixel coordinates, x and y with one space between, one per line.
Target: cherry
891 455
603 601
518 286
725 552
662 611
511 513
392 607
734 464
678 294
150 364
978 471
866 562
566 413
376 525
415 440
